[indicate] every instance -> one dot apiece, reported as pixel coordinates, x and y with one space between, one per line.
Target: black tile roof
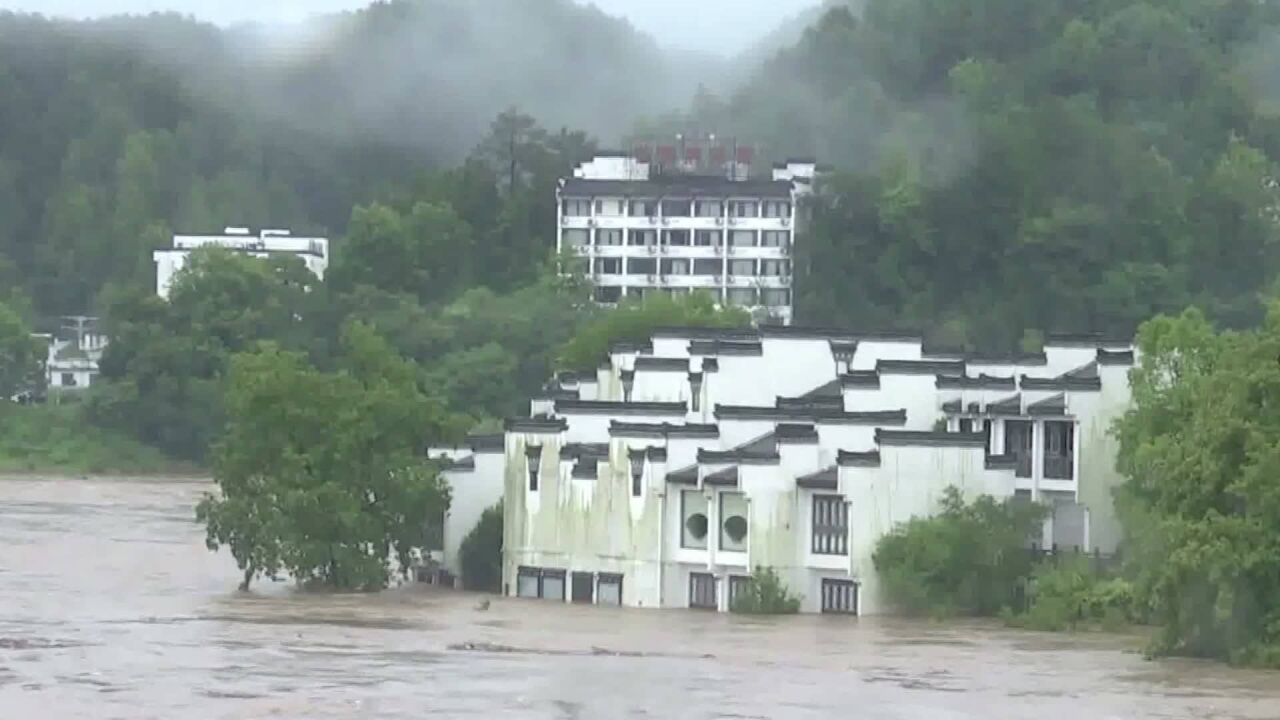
727 477
810 403
1008 406
577 451
606 407
537 425
860 379
726 347
741 457
921 367
795 434
930 439
1056 405
684 476
981 382
677 186
625 429
858 459
825 479
1063 382
953 406
460 465
659 364
705 333
811 414
1118 357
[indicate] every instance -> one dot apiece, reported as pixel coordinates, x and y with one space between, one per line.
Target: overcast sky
723 25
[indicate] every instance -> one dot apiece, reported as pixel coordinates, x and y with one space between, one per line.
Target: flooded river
110 607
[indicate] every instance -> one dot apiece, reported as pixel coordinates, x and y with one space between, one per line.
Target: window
743 238
608 266
553 585
529 583
839 597
675 238
708 267
642 266
608 294
611 207
744 209
775 238
637 472
677 266
68 380
693 511
830 525
644 208
966 425
533 456
733 522
777 209
576 238
609 237
775 268
745 268
540 583
645 238
775 298
1017 442
1059 445
738 584
702 591
708 238
608 589
742 297
677 208
577 208
581 587
709 208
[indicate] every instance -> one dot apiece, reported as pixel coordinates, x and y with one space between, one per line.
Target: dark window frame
839 597
829 528
707 583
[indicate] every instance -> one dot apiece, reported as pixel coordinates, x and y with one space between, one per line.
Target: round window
736 527
697 526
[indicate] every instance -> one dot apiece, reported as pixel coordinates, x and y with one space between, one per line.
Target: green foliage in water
481 553
969 559
1201 505
764 593
322 474
59 439
1072 594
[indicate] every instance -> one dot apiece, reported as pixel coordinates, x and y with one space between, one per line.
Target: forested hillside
1007 165
115 133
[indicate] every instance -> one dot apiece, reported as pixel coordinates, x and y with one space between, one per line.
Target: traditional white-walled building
73 354
645 227
313 251
665 476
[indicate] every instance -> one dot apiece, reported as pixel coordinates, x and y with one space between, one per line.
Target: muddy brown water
111 607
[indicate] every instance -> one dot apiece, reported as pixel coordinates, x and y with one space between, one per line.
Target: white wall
472 492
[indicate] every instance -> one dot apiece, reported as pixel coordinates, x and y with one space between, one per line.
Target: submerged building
661 221
665 476
313 251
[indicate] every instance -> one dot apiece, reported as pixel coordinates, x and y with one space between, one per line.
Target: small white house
313 251
665 476
73 354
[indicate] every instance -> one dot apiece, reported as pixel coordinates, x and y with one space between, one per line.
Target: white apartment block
662 478
313 251
642 230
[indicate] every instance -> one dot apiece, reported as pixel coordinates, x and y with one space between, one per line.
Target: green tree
481 553
765 594
1201 505
21 355
968 559
635 320
322 475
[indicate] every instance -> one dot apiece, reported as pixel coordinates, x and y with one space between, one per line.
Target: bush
481 553
765 594
1072 594
970 559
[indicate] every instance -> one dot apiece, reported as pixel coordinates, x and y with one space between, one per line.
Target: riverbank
57 439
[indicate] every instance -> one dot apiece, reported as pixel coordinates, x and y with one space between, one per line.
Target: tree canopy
323 474
1201 505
